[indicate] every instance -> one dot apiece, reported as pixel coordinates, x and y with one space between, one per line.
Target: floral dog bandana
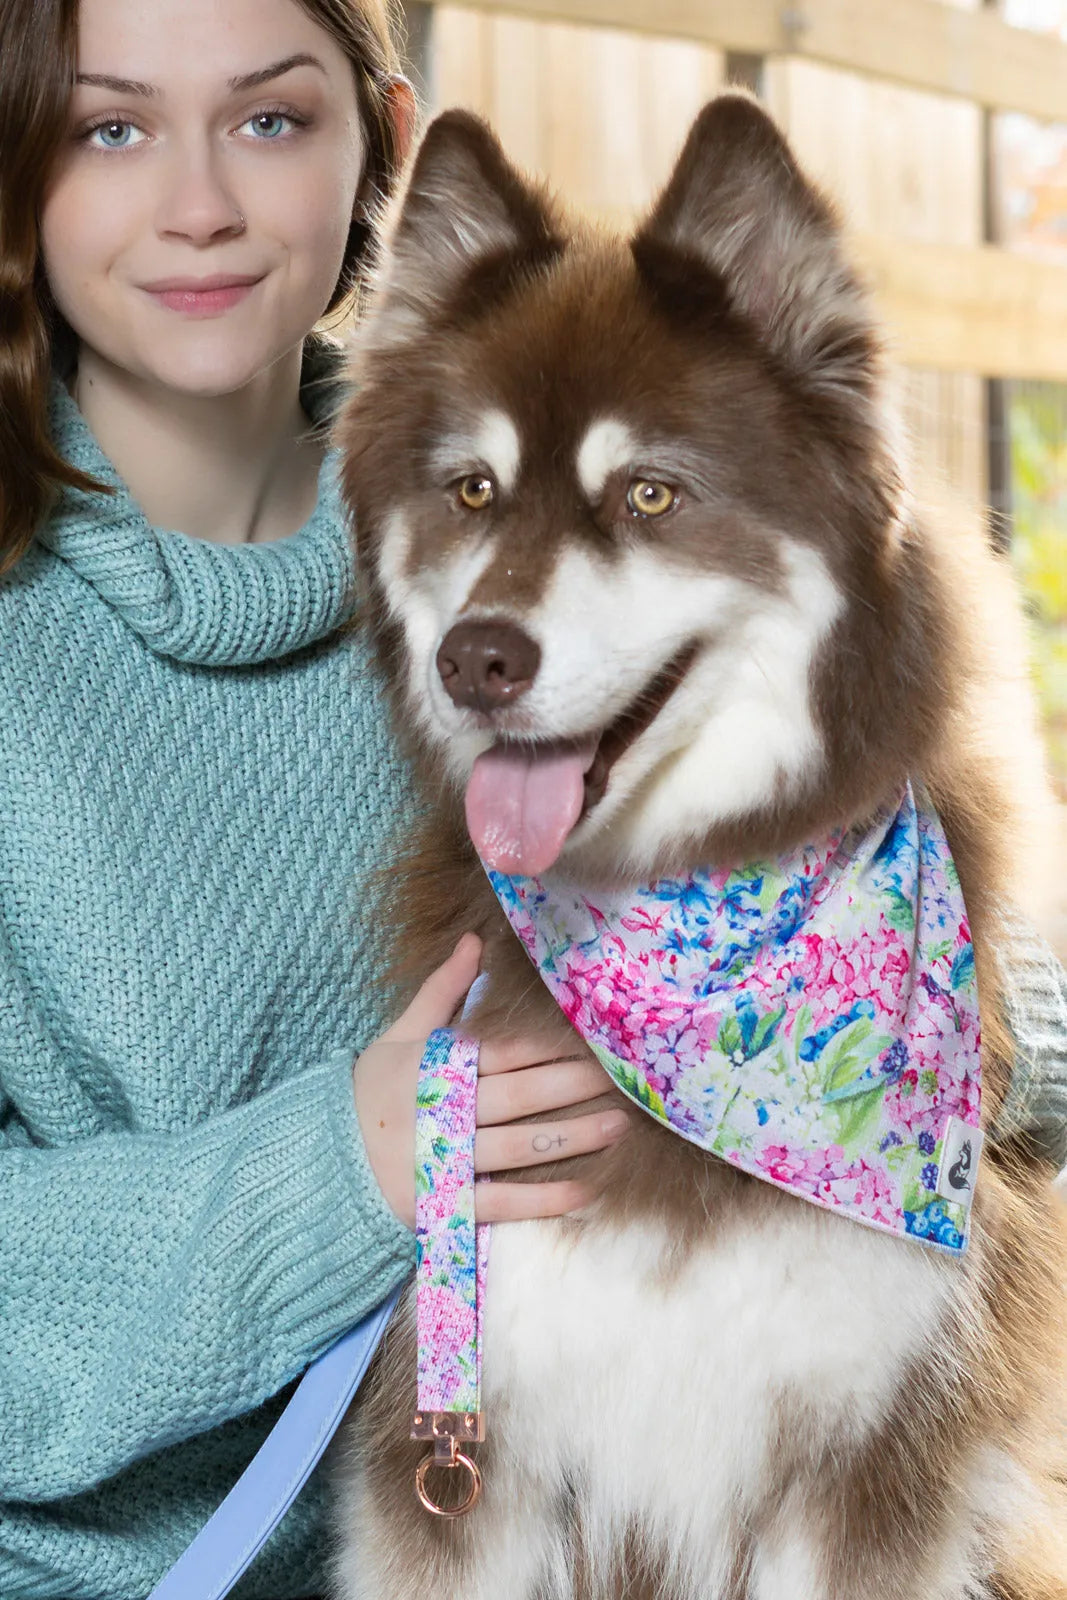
813 1020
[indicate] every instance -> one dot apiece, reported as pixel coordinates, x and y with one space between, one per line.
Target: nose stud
487 664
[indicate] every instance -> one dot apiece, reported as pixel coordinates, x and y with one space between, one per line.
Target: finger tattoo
543 1142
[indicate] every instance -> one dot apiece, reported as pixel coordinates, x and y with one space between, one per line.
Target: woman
196 1197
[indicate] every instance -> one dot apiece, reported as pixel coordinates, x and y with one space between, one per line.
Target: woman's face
195 225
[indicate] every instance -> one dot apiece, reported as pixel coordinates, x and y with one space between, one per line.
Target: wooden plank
944 419
516 85
582 105
743 25
957 308
928 45
600 113
923 43
899 162
461 68
970 309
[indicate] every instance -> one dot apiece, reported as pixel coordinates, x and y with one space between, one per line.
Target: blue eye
115 135
268 124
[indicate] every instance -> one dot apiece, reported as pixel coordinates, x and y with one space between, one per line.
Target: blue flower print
962 972
934 1223
901 838
744 1035
813 1046
895 1060
790 911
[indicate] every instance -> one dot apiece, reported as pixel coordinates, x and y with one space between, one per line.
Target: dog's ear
738 204
466 220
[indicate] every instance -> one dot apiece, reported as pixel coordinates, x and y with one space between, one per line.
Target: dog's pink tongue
522 804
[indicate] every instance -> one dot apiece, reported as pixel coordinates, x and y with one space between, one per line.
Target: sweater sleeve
153 1286
1036 994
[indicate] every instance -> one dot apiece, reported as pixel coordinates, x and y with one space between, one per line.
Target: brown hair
38 46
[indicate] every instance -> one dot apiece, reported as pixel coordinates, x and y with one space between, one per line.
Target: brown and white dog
632 511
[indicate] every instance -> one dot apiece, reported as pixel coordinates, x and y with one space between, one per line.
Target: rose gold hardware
447 1430
468 1427
447 1455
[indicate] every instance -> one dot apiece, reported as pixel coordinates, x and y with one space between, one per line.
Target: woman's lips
205 297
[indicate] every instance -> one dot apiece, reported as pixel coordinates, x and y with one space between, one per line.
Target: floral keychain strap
451 1255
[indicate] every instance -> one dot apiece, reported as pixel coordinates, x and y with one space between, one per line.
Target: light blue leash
230 1541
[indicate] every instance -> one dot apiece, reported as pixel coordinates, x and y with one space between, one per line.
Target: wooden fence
955 302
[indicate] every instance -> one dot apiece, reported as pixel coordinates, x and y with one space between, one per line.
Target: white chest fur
653 1392
656 1388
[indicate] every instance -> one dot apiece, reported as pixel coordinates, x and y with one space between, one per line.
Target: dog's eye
647 498
476 492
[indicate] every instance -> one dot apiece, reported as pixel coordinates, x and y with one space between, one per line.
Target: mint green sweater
195 777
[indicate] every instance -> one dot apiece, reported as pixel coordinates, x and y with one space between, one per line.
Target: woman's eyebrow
103 80
252 80
247 80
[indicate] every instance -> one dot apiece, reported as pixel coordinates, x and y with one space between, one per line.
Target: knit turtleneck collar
216 605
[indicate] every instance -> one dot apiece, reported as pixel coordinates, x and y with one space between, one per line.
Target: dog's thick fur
699 1389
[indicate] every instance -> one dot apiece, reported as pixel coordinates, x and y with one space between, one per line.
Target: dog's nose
487 664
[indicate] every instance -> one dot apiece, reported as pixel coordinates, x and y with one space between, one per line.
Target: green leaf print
765 1031
807 1072
962 975
729 1036
629 1082
855 1118
897 1157
847 1058
556 949
773 885
899 911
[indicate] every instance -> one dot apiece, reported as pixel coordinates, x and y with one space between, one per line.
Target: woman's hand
516 1079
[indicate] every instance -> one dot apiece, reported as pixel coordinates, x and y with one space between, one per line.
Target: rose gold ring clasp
447 1455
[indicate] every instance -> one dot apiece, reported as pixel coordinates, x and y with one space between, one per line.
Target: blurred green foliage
1037 414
